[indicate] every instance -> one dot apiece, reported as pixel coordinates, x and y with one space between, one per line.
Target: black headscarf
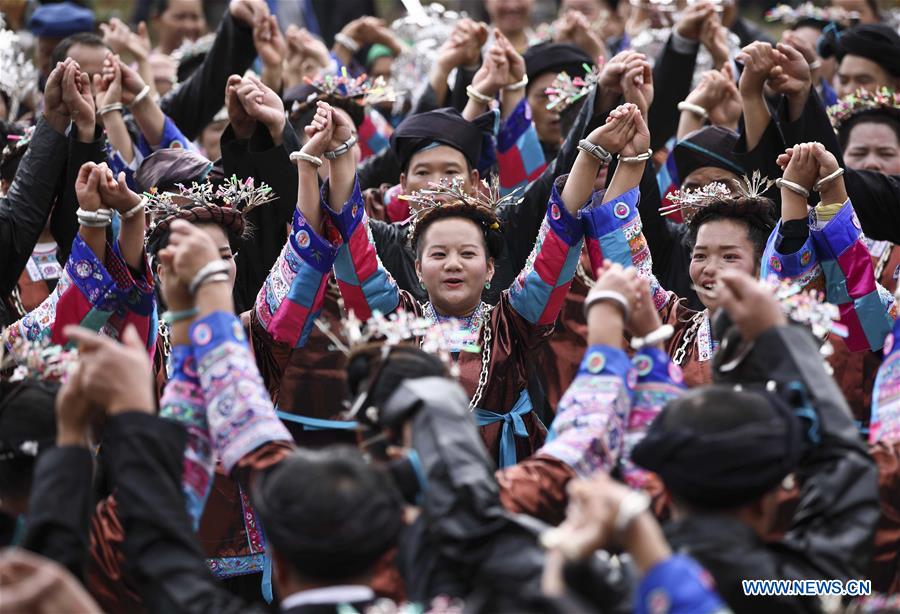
445 126
876 42
719 448
555 58
27 418
708 146
328 512
165 168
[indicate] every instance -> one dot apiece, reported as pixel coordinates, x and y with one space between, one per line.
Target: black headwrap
301 100
708 146
718 448
328 512
444 126
555 58
876 42
165 168
27 418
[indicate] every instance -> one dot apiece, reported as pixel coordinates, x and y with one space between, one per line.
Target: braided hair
486 220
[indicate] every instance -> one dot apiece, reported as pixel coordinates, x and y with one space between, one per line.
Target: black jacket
26 207
830 536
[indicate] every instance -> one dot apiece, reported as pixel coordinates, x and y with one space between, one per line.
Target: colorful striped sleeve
88 294
659 381
239 411
885 422
365 284
292 295
613 231
802 266
866 308
537 294
520 157
588 431
183 402
137 306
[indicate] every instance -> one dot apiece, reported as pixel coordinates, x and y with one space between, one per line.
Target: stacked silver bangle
345 41
478 96
212 272
101 218
341 149
115 106
597 296
138 208
140 96
796 188
821 183
638 158
596 151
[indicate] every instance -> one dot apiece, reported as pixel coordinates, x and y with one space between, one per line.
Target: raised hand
189 250
690 25
463 47
304 45
728 110
637 84
73 412
758 59
78 98
640 141
249 12
119 37
493 74
114 191
751 305
790 75
269 42
56 112
800 165
241 121
618 130
320 131
514 59
831 190
644 317
132 82
575 28
614 70
714 36
111 375
108 85
87 187
262 104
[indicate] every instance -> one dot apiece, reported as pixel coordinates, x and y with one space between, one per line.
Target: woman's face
435 164
454 265
873 146
510 16
182 20
721 245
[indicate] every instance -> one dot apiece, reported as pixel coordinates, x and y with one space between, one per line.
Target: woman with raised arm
456 239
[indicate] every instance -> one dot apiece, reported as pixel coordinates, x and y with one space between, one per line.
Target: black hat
166 168
555 58
709 146
876 42
444 126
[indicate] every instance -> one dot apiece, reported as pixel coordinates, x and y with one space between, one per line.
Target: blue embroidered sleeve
885 422
239 412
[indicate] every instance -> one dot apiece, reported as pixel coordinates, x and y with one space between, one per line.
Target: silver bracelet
305 157
828 179
345 41
796 188
212 279
638 158
518 85
815 64
94 223
631 506
100 215
696 109
478 96
115 106
343 148
595 150
136 209
663 333
140 96
596 296
215 267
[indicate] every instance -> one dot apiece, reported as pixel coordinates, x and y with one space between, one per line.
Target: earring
487 286
421 284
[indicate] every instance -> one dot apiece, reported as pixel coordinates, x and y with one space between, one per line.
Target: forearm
95 238
796 103
131 240
509 100
626 177
342 178
793 206
580 183
117 133
150 120
688 122
308 195
473 109
273 76
756 117
437 78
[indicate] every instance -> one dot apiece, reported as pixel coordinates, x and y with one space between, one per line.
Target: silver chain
163 330
882 261
583 276
696 321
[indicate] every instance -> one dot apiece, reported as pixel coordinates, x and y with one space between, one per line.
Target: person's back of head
719 449
329 517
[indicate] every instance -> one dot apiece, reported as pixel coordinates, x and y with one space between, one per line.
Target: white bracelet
97 216
343 148
796 188
137 208
140 96
663 333
696 109
478 96
115 106
305 157
815 64
638 158
828 179
596 296
215 267
345 41
631 506
94 223
212 279
518 85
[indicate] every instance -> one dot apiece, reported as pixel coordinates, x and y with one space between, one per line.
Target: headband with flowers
790 15
861 101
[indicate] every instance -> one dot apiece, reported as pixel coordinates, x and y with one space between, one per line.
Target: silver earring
421 284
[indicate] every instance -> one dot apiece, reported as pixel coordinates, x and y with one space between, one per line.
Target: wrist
213 297
86 131
72 435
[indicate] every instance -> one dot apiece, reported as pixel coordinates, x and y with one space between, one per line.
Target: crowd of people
319 312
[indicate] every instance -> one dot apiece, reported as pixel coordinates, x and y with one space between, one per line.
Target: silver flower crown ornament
688 202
